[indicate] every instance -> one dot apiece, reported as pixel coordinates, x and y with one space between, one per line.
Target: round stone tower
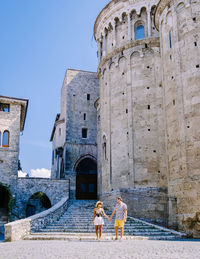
178 22
131 137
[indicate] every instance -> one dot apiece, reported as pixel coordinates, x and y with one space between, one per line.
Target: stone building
74 140
16 194
12 119
148 118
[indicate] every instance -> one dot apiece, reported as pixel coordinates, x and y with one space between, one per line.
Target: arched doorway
4 200
86 179
37 203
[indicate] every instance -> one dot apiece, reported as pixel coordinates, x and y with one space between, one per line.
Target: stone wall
26 187
179 25
10 121
150 204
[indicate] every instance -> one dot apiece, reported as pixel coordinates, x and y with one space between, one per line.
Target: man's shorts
119 223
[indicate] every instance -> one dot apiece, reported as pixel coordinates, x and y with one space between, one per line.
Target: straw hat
99 202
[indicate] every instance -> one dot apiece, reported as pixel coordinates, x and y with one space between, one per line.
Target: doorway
86 180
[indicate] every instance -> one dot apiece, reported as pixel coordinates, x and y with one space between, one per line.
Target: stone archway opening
86 179
4 201
37 203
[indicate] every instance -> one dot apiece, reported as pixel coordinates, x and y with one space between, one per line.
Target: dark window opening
174 102
149 129
194 19
148 87
154 151
197 66
170 39
84 133
149 107
146 46
195 43
4 107
88 97
84 116
188 127
126 110
53 157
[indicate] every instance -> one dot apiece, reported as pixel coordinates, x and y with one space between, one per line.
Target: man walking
121 216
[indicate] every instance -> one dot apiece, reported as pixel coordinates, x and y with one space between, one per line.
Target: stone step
108 227
90 237
105 226
136 233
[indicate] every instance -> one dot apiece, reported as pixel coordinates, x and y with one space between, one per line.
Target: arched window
139 32
5 142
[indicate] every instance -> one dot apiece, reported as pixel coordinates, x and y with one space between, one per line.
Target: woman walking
98 219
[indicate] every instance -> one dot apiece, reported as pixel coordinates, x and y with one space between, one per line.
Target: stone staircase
76 224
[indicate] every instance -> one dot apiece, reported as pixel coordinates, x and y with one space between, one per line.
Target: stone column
104 45
129 27
114 34
99 51
149 22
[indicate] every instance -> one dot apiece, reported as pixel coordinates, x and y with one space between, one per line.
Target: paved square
100 250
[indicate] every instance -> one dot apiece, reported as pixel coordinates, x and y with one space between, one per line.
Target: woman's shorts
98 221
119 223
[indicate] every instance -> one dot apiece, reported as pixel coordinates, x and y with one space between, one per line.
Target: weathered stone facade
179 22
148 108
79 91
15 192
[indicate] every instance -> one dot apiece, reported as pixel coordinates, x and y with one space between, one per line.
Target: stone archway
86 179
4 201
37 203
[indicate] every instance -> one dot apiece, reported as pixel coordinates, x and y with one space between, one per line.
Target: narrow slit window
149 107
88 97
170 39
84 116
84 133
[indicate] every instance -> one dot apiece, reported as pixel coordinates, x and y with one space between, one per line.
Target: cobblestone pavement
100 250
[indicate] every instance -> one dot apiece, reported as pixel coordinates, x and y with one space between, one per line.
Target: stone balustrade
17 230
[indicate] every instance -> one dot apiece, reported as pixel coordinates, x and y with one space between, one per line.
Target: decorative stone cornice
152 42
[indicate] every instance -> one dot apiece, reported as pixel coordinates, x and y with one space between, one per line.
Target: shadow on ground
1 237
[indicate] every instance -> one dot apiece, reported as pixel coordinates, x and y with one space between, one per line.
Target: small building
74 135
12 120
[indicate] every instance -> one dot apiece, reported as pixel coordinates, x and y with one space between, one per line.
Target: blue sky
40 39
